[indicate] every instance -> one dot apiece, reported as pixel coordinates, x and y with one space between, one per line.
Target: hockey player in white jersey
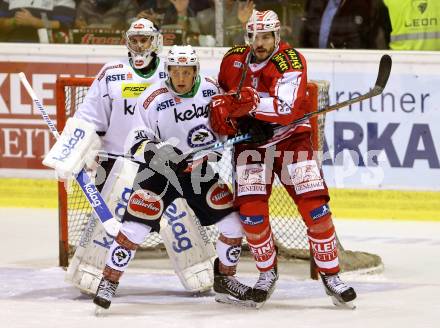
175 114
110 103
110 109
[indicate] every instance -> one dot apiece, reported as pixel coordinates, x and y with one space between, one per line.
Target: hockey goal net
287 225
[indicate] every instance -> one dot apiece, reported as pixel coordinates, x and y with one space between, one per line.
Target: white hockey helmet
263 21
182 56
144 27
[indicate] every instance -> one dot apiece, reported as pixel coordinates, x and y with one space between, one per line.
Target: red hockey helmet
263 21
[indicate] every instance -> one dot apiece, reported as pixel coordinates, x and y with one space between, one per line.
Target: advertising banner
389 142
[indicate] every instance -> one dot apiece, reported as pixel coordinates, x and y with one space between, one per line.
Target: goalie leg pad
187 243
85 269
86 266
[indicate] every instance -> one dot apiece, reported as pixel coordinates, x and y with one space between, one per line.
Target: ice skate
229 290
265 286
104 294
341 294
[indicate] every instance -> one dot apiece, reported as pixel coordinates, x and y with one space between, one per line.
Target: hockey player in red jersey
273 94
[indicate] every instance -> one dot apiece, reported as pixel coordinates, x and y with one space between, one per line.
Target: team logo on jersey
233 254
293 56
121 256
219 197
236 50
199 136
305 176
106 69
153 95
133 90
129 76
237 64
166 103
285 108
264 251
208 93
320 212
177 219
192 113
281 63
252 220
116 77
251 179
145 204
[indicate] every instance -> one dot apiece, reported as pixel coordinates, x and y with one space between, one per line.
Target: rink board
345 203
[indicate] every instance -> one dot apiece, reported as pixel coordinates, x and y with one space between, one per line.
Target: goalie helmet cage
288 228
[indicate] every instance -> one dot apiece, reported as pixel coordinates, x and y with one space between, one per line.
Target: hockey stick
111 225
381 81
248 61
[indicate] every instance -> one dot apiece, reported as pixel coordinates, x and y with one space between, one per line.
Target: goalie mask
141 49
181 56
263 21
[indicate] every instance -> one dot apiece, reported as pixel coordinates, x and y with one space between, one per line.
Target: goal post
288 227
70 92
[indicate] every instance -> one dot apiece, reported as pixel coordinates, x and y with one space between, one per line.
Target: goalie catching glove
77 147
225 108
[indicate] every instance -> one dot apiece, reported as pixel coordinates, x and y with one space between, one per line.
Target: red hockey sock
255 219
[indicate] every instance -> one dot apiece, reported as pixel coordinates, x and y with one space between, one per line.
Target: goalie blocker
189 249
75 148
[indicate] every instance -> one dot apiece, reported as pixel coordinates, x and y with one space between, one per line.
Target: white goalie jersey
185 119
110 103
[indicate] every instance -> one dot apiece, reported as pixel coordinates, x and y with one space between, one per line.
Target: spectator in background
112 14
290 13
415 24
352 24
21 20
153 10
197 5
178 17
235 16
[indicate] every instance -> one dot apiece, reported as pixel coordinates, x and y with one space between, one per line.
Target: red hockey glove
219 116
245 103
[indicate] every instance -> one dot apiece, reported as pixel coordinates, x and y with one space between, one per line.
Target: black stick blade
384 72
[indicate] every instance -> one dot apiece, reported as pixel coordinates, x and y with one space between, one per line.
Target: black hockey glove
162 157
260 131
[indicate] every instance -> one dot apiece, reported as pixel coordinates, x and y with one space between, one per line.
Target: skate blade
259 305
343 305
100 311
221 298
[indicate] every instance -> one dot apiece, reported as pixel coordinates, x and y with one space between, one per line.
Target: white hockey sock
123 248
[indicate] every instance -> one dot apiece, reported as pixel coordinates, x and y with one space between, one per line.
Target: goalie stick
111 225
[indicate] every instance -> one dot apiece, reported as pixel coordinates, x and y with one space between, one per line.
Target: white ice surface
406 294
